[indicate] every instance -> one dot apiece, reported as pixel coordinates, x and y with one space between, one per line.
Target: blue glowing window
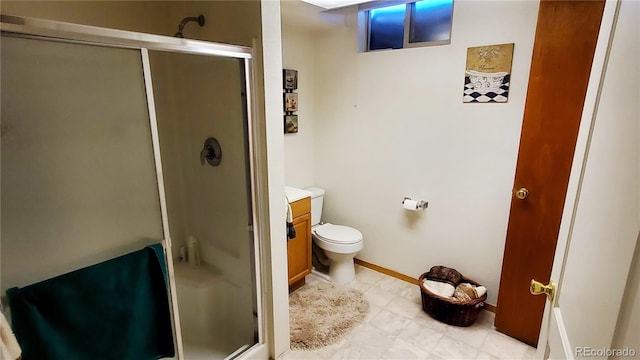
420 23
430 20
386 27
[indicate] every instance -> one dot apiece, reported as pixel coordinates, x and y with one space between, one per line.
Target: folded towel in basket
439 288
118 309
466 292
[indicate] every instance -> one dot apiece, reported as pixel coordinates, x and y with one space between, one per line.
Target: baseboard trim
490 307
386 271
407 278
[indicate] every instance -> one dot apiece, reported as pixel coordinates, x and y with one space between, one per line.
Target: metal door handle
538 288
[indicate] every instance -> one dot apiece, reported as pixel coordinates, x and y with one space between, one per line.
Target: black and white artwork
488 74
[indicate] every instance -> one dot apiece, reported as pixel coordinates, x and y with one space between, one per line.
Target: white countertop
295 194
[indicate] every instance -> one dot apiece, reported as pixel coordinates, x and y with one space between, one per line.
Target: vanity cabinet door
299 249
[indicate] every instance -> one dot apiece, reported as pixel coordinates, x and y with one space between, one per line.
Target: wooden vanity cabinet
299 248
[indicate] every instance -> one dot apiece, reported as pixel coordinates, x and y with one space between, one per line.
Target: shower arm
200 20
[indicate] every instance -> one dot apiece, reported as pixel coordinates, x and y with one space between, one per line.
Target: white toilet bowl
340 244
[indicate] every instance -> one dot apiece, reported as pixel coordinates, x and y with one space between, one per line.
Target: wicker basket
450 311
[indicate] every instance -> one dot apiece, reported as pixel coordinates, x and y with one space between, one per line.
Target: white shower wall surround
97 192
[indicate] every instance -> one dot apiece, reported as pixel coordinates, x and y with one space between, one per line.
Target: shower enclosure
113 140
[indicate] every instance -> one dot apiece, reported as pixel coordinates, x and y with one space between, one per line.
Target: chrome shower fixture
199 20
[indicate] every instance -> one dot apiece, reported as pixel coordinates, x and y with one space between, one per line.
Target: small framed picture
290 102
488 74
290 124
290 79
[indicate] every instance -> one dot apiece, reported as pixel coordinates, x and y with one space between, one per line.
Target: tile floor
397 328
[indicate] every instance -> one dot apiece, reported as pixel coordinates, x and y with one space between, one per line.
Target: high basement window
404 24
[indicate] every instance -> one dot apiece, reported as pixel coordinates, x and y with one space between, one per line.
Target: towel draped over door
118 309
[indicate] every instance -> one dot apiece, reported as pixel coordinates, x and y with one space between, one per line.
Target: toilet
340 243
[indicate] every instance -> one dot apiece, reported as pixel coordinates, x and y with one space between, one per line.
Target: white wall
390 124
298 53
628 326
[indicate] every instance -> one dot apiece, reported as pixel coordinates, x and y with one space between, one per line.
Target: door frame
587 122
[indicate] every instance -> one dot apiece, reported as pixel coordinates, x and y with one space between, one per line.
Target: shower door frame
56 31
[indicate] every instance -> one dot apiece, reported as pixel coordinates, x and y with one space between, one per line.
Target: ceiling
300 14
334 4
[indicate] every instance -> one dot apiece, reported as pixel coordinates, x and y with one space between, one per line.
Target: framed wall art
488 74
290 124
290 102
290 79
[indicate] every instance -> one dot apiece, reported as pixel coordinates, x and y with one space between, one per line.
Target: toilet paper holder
421 204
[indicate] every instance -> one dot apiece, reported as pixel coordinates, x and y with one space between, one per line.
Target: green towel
115 310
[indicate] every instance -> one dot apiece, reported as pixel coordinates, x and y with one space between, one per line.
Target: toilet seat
338 234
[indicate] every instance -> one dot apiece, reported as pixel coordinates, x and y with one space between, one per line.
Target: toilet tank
317 196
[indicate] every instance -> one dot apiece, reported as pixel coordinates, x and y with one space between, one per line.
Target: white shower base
204 300
206 351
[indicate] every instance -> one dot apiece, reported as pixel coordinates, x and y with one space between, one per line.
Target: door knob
538 288
522 193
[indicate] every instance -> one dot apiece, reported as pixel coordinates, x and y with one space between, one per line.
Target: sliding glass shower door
78 179
106 149
201 112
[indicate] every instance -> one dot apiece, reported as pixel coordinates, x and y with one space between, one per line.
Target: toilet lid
339 233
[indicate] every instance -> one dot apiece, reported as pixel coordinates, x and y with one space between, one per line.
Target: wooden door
563 51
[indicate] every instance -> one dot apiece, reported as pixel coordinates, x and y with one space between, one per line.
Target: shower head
199 20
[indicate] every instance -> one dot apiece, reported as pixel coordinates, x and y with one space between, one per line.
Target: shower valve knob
205 154
211 152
